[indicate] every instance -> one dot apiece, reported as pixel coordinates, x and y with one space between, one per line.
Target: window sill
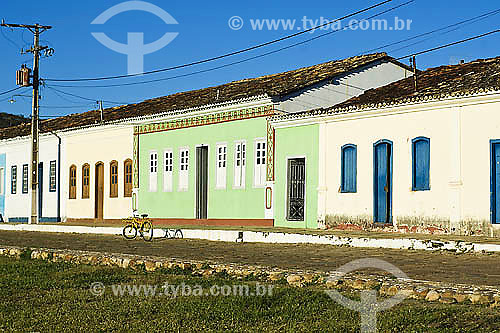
420 189
348 192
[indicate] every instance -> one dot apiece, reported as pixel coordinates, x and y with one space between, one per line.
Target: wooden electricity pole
36 29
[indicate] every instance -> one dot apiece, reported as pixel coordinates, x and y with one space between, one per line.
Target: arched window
113 179
72 182
349 168
86 181
127 179
421 163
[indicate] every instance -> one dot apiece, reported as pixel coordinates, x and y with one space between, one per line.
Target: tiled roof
271 85
433 84
444 80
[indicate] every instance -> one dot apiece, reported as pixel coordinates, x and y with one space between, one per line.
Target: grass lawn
41 296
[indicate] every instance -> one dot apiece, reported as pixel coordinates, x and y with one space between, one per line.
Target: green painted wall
301 141
229 203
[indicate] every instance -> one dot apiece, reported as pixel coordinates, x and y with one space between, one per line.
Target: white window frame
25 185
153 171
53 176
168 170
260 169
240 162
221 166
13 179
184 169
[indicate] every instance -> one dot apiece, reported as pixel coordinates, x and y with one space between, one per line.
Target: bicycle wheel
178 234
129 231
147 231
167 233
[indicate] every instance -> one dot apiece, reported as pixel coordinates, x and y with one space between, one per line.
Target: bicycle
136 224
173 233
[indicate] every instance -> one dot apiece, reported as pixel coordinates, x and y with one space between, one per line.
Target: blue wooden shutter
349 171
421 163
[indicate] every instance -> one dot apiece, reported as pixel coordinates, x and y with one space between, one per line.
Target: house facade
209 167
97 172
15 186
420 158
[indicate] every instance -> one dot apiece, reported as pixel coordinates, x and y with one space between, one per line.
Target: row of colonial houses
358 141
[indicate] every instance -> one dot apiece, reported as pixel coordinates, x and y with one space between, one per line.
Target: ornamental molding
206 119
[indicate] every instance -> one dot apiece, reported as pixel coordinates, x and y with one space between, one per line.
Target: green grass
41 296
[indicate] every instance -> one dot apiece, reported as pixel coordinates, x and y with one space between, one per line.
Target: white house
16 180
418 154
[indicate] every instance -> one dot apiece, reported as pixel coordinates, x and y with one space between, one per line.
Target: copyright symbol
235 23
97 289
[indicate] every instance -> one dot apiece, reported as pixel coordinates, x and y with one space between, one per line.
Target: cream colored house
421 154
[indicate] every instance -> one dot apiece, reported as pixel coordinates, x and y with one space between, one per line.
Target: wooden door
99 191
202 182
495 182
296 189
383 182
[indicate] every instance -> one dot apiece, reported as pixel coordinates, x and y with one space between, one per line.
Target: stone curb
388 286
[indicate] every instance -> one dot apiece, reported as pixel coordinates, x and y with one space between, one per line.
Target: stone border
388 286
280 238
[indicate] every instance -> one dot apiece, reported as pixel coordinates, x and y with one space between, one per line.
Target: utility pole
36 29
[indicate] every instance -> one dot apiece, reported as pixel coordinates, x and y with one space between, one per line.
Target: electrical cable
477 18
224 55
229 64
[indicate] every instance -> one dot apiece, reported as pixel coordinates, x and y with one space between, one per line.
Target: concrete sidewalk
271 237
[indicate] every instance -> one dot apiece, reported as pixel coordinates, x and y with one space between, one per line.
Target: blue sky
204 32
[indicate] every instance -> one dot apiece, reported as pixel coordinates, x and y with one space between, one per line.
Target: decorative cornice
207 119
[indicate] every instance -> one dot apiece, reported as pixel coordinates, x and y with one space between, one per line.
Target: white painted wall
400 129
93 145
344 87
18 152
460 131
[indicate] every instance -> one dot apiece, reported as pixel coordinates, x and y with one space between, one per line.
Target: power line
232 63
443 33
477 18
224 55
450 44
65 106
9 91
9 40
84 98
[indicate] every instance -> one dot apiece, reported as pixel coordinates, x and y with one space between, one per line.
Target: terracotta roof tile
435 83
271 85
439 81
